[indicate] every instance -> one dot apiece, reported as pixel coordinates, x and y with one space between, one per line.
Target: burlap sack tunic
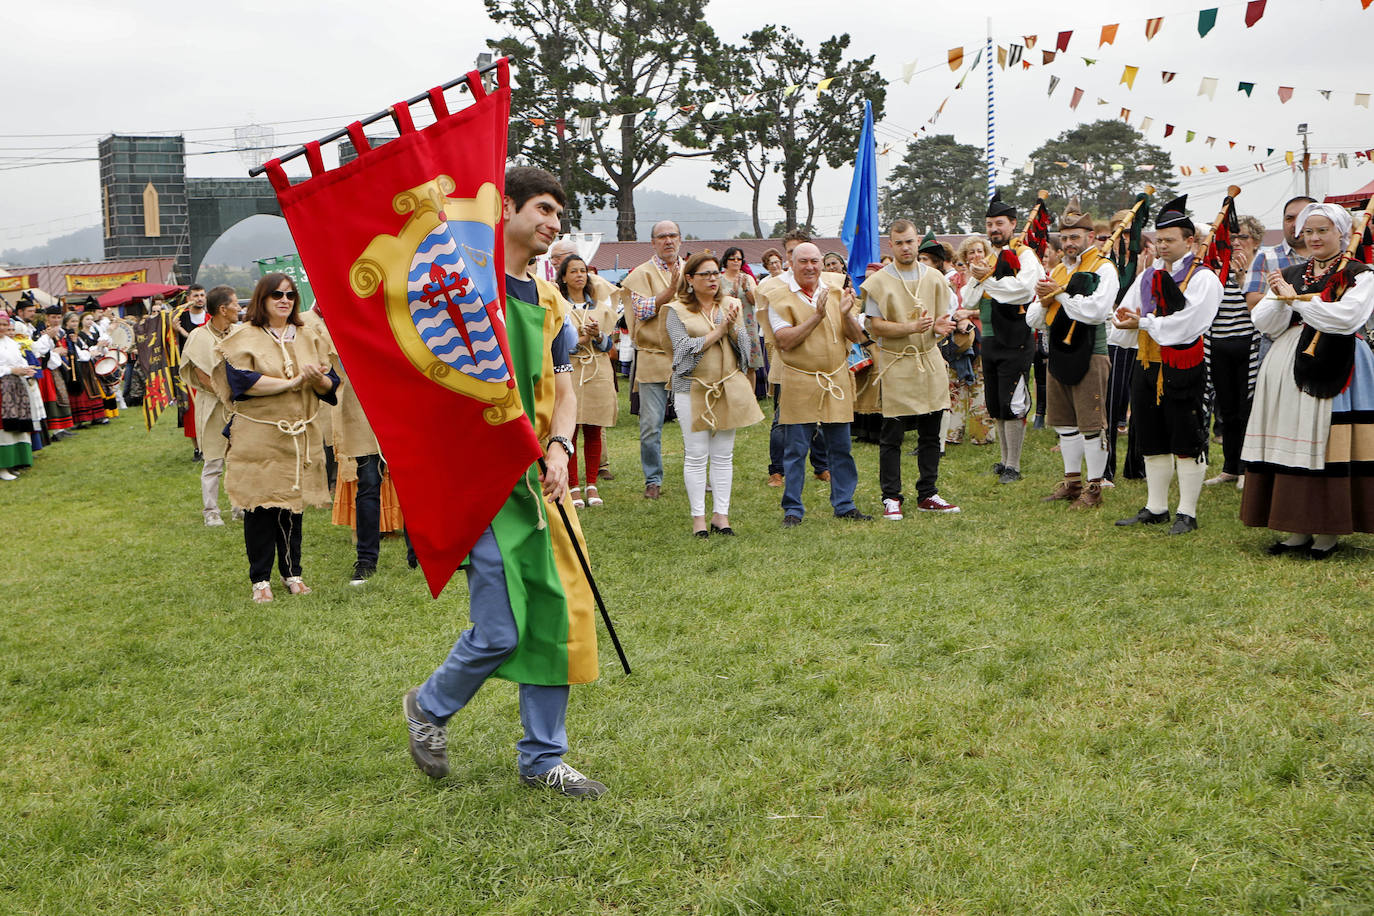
722 397
593 376
817 386
911 374
201 352
276 452
653 352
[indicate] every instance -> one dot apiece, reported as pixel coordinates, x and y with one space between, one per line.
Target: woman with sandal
710 386
593 377
278 372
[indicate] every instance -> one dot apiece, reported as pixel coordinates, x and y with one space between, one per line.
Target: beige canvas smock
199 352
722 397
653 352
276 452
817 386
352 433
910 373
593 376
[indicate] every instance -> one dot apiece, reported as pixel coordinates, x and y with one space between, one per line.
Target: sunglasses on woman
288 294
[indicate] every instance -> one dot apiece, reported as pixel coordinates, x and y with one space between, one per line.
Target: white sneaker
892 509
1108 485
213 520
6 475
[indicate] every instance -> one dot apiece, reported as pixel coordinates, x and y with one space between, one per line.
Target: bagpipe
1219 248
1036 237
1127 240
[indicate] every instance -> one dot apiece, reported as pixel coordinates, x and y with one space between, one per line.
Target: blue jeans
653 401
481 650
844 476
820 461
367 508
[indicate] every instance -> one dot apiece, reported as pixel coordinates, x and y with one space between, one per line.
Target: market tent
1358 198
123 295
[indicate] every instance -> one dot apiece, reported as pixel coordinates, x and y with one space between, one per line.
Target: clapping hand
1280 287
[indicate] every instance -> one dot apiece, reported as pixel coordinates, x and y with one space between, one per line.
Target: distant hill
84 244
703 220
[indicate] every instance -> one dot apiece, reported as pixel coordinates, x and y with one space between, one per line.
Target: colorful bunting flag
1168 129
1152 27
1343 160
1190 136
1048 56
1208 87
538 122
1025 65
1362 99
1030 41
1185 170
710 109
824 85
1253 11
1077 97
1326 94
1206 20
1014 55
1126 115
1246 88
1285 93
1002 57
956 57
1054 84
908 69
1269 153
1145 124
1128 76
1168 76
791 90
1211 141
1232 144
1089 61
1063 43
1259 167
1288 157
1108 35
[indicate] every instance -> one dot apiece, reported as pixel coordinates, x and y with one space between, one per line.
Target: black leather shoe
998 468
703 534
1183 524
791 521
1279 548
1314 553
727 531
1009 475
854 515
1144 517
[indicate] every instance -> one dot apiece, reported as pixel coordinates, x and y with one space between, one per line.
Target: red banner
404 250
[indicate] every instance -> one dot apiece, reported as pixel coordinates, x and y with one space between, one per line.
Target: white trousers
705 452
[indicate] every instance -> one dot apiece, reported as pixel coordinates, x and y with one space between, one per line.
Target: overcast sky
78 70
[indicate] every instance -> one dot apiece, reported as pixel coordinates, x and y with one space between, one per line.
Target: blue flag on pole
860 229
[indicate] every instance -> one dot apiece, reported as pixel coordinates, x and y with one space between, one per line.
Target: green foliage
1108 163
242 279
1015 710
939 184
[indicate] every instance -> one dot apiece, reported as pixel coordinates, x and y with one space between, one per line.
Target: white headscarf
1339 216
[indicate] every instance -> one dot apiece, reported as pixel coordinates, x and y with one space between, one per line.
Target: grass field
1018 709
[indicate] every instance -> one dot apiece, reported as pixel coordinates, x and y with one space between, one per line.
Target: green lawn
1014 710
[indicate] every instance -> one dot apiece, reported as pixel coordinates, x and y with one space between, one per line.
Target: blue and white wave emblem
442 285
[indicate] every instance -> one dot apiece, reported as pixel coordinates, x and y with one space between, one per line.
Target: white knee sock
1070 449
1190 476
1095 451
1159 473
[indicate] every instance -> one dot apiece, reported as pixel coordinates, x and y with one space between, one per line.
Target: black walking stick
587 571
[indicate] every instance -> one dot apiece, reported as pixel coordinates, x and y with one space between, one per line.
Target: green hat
931 243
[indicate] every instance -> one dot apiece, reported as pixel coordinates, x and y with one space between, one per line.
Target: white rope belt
714 392
295 429
897 355
826 380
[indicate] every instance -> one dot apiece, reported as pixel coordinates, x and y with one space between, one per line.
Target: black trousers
367 508
272 531
1123 362
1230 374
927 426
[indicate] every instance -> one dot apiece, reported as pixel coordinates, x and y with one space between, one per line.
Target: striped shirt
1233 318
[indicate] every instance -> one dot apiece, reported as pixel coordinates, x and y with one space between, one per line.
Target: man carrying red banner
531 607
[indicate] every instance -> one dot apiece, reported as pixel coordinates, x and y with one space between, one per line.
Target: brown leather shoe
823 476
1069 488
651 491
1090 498
775 480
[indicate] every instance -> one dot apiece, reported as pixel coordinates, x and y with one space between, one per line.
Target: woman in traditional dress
968 412
16 404
96 343
83 387
594 381
277 371
737 284
711 391
1309 445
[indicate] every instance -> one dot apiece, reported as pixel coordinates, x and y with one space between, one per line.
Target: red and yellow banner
93 283
18 283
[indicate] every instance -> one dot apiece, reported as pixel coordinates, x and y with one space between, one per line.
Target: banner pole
587 571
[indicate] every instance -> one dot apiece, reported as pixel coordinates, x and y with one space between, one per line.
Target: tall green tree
939 184
633 58
1102 165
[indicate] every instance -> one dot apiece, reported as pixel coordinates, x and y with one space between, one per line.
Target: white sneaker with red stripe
936 504
892 510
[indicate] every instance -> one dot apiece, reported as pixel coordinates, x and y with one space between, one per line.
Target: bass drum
121 335
107 365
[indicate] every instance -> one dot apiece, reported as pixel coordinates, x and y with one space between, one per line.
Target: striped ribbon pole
992 128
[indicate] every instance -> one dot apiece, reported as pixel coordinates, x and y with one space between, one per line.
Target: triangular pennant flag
709 110
907 70
1362 99
1108 35
1168 129
1364 4
1208 87
1063 43
1203 169
1323 158
538 122
1002 57
1102 101
956 57
1269 152
1054 84
1288 157
1014 55
1126 115
1152 27
1077 97
1128 76
1089 61
1211 141
1259 166
790 90
977 57
1326 94
687 109
584 127
1190 136
1048 56
749 99
1343 160
561 125
1168 76
1285 93
1206 20
1232 144
1185 170
1145 124
1253 11
824 85
1246 88
1025 65
1030 41
960 84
